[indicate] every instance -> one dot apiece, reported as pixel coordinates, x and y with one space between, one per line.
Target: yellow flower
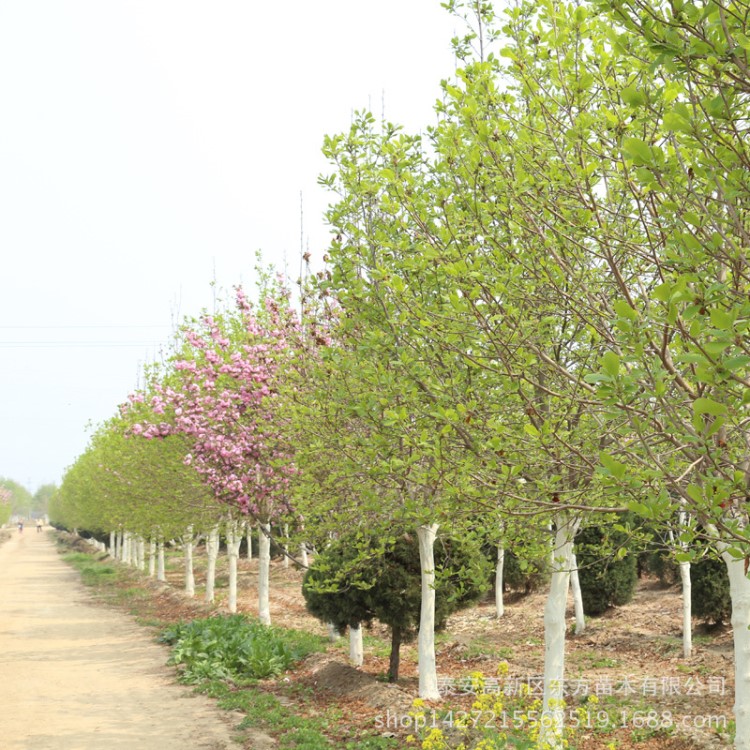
410 738
502 668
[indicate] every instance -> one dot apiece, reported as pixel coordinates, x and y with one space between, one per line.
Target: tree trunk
356 647
739 588
152 557
303 555
188 552
113 544
233 553
687 610
118 545
141 552
428 684
212 552
499 603
553 714
264 569
575 585
687 604
160 569
393 662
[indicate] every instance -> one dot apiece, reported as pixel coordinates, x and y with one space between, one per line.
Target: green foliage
709 593
355 580
234 648
21 502
608 577
522 574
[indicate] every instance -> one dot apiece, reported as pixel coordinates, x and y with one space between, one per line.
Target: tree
222 394
346 587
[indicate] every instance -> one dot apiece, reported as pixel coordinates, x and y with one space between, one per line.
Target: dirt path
77 676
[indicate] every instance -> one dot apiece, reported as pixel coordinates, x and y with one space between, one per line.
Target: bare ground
77 676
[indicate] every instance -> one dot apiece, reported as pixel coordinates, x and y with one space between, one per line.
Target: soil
631 655
637 646
77 676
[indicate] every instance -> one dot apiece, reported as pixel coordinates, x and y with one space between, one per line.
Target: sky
148 149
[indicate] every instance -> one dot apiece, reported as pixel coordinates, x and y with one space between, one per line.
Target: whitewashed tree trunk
118 545
127 548
333 633
141 553
303 555
687 610
212 553
161 574
187 548
687 586
428 684
152 557
575 585
113 544
233 553
285 562
739 589
499 603
264 571
356 646
553 713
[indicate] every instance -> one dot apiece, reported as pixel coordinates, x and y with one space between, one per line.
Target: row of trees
17 500
530 320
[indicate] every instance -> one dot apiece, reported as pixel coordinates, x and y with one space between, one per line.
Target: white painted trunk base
739 587
553 710
428 684
234 539
264 569
356 646
499 603
212 553
161 574
687 610
188 553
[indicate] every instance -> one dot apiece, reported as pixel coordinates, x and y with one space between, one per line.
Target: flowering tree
222 394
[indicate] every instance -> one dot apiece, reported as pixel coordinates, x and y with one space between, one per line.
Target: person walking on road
20 527
38 525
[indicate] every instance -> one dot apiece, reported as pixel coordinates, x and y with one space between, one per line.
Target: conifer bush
607 576
709 594
359 578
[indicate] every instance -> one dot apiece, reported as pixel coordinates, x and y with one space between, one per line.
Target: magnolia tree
222 395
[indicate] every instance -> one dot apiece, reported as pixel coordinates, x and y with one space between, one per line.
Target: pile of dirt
339 680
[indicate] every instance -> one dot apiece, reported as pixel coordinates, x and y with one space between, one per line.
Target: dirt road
77 676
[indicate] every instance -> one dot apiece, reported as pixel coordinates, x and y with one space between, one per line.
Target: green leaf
623 309
637 150
675 122
529 429
611 363
695 492
612 465
709 406
721 319
632 96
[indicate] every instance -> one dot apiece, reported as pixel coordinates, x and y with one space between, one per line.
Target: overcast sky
148 147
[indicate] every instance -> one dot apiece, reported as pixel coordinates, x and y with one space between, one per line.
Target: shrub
709 594
358 578
607 579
